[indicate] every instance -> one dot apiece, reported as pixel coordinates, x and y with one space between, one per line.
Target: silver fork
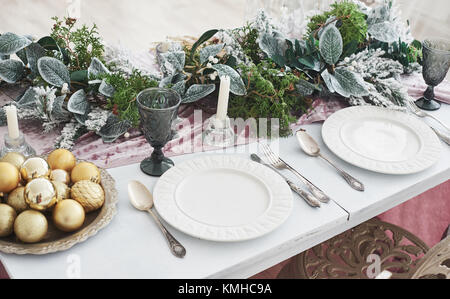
420 113
278 163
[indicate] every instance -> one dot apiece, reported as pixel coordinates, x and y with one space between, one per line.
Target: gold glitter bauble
15 159
7 217
62 190
85 171
68 215
62 159
89 194
9 177
16 199
30 226
60 175
40 194
34 168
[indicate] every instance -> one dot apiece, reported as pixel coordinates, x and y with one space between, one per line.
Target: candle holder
219 133
18 145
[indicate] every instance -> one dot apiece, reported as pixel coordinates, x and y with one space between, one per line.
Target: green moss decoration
271 93
353 22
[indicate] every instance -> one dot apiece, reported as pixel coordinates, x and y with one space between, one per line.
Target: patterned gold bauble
15 159
9 177
60 175
85 171
7 217
16 199
40 194
68 215
62 191
89 194
30 226
62 159
34 168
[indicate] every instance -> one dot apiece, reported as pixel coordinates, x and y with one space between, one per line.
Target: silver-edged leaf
197 92
237 86
209 51
106 89
326 76
114 128
349 83
11 70
180 87
97 68
331 44
270 45
53 71
22 54
11 43
384 32
33 52
305 88
78 103
58 111
28 98
172 62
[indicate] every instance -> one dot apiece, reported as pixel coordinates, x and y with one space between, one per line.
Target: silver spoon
142 199
311 148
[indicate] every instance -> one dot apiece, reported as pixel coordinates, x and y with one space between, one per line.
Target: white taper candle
224 95
13 124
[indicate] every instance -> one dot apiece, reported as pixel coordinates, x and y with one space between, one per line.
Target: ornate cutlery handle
354 183
311 200
177 249
441 135
319 194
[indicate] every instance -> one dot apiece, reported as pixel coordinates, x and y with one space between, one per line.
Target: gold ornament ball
60 175
89 194
9 177
85 171
16 199
30 226
15 159
40 194
68 215
34 168
62 159
7 217
62 190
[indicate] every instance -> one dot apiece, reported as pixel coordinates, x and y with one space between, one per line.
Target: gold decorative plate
56 240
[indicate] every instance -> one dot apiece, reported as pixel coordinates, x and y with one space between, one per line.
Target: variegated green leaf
197 92
97 68
28 98
384 32
172 62
11 43
350 82
78 103
106 89
331 44
209 51
53 71
33 52
237 86
11 70
114 128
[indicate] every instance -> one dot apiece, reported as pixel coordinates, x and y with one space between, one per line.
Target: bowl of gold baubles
49 204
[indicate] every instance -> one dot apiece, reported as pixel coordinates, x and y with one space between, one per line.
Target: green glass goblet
158 108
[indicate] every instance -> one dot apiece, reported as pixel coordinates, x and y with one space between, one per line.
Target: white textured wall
137 23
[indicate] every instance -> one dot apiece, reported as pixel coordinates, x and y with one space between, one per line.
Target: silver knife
441 135
310 199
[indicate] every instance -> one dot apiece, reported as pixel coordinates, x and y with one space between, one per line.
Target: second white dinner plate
381 140
223 198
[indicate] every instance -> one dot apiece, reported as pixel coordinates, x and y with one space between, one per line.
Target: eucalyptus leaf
28 98
114 128
204 38
331 44
197 92
237 86
97 68
11 70
209 51
53 71
384 32
106 89
33 52
11 43
78 103
172 62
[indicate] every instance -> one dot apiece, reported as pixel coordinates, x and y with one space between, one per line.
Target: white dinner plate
381 140
223 198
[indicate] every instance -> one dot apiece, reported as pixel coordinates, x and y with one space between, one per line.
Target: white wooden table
133 247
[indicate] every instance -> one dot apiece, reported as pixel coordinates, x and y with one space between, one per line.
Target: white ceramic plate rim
278 212
427 156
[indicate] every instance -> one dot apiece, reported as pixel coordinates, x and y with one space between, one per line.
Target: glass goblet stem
429 93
